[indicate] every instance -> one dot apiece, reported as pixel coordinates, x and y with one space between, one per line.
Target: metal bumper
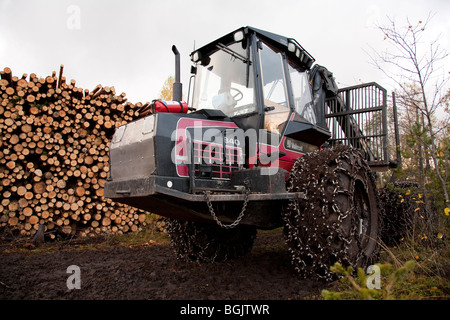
153 185
152 194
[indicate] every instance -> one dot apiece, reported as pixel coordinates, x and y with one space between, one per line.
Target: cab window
274 89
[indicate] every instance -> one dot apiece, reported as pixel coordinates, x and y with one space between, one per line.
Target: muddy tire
338 220
207 242
398 212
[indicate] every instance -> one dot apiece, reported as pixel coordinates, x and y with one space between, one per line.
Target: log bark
54 155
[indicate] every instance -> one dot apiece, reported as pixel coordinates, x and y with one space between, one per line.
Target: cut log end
54 154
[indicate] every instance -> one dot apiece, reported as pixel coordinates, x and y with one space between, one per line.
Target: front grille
212 162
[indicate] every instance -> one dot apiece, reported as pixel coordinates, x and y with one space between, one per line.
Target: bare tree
416 67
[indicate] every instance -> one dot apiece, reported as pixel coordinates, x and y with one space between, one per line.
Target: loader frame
357 117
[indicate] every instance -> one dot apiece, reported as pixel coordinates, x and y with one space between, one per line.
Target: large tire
399 203
207 242
338 219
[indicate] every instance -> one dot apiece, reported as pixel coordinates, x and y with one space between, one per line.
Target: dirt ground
151 271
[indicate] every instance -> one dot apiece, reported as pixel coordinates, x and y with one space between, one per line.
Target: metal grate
212 162
357 117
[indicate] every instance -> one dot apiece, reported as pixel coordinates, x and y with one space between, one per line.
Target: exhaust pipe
177 85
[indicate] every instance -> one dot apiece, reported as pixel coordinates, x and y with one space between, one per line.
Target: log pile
54 143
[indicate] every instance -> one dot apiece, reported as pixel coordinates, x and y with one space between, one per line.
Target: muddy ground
150 270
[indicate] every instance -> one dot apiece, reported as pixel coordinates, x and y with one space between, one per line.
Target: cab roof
288 45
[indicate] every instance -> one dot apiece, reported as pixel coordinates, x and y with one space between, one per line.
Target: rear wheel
207 242
338 220
399 202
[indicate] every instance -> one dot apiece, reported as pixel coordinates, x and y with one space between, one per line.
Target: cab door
275 91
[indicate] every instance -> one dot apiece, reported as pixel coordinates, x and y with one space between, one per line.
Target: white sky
127 43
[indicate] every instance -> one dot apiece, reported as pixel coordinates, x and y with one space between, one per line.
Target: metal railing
357 117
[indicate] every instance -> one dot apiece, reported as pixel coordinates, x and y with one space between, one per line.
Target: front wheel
338 219
207 242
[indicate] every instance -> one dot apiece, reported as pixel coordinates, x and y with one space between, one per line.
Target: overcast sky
127 44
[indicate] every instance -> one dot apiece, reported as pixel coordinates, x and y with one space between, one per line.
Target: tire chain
314 229
399 211
207 242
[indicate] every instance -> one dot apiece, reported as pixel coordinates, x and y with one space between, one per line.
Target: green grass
147 236
410 271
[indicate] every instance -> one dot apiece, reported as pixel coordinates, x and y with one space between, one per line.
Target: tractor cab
261 81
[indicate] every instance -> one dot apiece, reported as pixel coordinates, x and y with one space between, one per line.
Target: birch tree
412 61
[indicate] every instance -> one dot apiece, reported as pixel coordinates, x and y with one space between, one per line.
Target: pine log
54 155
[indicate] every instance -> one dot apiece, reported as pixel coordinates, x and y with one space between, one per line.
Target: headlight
238 36
196 56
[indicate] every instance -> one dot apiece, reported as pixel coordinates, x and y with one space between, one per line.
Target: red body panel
182 157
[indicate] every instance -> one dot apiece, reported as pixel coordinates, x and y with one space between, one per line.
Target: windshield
224 81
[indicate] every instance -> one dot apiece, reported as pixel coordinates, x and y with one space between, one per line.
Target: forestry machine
265 140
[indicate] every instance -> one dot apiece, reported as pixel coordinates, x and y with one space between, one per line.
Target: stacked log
54 153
